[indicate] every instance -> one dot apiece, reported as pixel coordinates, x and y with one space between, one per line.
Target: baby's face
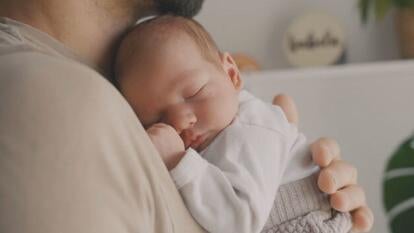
179 87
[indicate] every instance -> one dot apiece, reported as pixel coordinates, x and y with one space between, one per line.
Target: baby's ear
231 69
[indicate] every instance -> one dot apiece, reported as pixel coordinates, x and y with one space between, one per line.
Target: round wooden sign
314 39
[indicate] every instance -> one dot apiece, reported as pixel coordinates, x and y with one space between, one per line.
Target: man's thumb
288 106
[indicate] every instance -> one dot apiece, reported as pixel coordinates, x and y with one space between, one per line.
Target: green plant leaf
404 3
382 7
364 6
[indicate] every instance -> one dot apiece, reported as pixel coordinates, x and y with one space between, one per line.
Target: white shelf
399 66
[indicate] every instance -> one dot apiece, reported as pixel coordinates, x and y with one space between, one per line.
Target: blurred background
257 28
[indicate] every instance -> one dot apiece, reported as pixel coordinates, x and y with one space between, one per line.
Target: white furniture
368 108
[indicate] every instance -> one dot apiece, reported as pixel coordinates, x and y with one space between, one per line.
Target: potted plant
404 20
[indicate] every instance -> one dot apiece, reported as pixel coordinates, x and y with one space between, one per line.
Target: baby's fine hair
161 28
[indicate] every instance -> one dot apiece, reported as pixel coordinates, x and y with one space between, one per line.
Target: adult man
73 157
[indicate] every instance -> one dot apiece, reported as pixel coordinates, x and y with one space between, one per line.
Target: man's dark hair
185 8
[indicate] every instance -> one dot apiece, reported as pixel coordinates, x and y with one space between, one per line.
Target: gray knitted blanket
300 207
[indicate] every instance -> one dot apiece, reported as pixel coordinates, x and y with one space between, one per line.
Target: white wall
257 27
364 107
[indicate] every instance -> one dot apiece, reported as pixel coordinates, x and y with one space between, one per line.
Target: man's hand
168 143
337 177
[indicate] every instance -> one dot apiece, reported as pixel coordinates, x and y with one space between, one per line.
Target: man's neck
91 28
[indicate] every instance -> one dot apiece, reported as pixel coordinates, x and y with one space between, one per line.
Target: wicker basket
405 29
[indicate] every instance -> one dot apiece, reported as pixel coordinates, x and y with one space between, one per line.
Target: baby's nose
181 120
186 121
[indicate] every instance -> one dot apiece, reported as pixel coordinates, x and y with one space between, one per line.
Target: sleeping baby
239 165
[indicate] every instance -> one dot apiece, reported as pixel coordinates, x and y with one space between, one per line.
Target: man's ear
231 69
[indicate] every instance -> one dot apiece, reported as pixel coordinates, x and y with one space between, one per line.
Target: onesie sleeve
232 188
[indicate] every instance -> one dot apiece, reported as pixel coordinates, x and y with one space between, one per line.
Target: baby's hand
168 143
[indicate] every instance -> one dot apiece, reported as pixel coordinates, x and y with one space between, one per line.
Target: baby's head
170 70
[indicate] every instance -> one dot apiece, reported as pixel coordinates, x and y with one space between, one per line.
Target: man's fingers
352 199
288 106
363 220
348 199
324 151
339 174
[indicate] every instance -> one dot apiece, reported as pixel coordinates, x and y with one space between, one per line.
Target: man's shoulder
28 67
42 79
32 63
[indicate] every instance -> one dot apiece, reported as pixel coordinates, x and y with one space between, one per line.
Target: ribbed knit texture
300 207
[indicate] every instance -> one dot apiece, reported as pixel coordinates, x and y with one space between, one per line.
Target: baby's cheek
215 112
226 112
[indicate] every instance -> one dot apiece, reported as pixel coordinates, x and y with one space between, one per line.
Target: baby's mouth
192 140
197 142
187 137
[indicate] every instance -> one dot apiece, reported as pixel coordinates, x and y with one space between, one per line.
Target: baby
239 165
